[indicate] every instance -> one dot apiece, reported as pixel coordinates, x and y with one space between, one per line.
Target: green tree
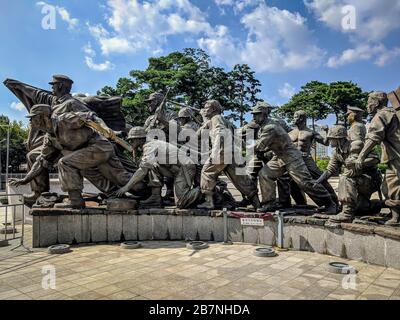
341 94
244 90
311 99
192 80
18 135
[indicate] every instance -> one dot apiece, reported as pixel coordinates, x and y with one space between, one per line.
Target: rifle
190 108
108 133
159 109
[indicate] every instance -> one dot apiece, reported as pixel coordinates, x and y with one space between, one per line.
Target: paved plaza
168 270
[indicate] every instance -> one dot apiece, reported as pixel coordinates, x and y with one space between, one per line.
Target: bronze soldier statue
357 130
160 159
384 129
82 153
216 164
356 185
289 159
161 119
303 138
261 117
61 101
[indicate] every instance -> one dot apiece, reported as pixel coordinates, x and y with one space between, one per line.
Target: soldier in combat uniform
160 159
287 158
303 138
82 153
216 164
384 129
355 185
357 130
61 101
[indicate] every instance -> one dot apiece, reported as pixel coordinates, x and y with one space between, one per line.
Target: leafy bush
322 164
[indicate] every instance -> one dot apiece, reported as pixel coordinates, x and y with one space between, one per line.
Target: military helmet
379 96
261 107
39 109
155 96
213 105
337 132
137 133
184 113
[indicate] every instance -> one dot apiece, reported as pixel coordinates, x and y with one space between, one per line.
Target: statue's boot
75 201
244 203
269 207
331 208
255 202
208 204
395 218
346 215
154 201
30 199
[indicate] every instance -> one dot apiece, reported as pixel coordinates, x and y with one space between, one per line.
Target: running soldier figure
223 145
287 158
303 138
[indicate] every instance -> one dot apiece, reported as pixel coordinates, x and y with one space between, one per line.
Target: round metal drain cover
265 252
341 268
130 245
197 245
59 249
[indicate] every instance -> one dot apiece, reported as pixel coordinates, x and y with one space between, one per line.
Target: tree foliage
319 100
192 80
18 135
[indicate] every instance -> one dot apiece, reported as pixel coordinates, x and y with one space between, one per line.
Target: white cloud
90 54
364 52
287 90
375 19
64 14
238 5
17 106
277 40
134 25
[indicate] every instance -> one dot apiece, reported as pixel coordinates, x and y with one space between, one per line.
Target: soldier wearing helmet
185 119
159 120
60 101
384 129
356 184
221 130
261 117
161 159
303 138
81 152
287 158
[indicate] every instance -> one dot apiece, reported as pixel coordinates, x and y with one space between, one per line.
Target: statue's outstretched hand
17 182
121 192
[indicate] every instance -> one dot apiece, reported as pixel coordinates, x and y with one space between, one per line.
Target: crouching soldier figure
82 153
161 159
356 184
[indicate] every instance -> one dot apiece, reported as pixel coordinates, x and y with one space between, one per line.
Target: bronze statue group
78 135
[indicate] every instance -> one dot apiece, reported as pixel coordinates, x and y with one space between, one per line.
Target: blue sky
287 42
